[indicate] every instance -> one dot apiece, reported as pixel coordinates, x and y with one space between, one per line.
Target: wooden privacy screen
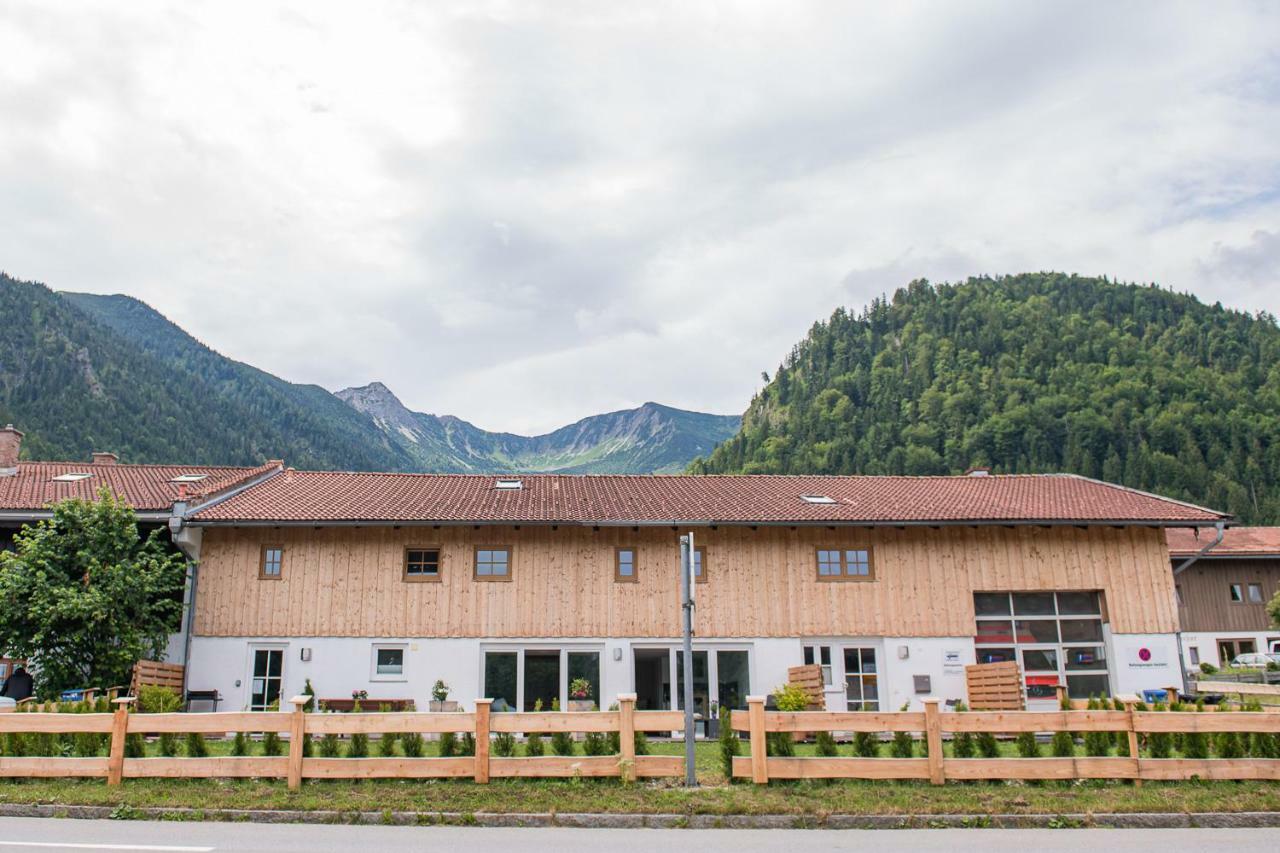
994 686
809 679
152 673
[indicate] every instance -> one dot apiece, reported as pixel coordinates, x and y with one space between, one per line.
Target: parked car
1255 660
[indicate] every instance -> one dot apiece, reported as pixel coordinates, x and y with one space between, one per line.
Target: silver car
1255 660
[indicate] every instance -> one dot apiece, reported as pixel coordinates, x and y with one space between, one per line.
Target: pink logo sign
1144 654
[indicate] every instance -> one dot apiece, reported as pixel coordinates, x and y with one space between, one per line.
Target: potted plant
580 695
440 697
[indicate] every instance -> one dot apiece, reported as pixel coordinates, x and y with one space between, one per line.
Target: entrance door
541 678
268 673
861 679
701 683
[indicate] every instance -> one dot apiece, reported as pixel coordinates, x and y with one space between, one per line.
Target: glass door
1040 672
701 683
861 680
541 678
268 673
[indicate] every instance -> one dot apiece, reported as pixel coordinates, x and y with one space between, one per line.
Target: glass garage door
1056 637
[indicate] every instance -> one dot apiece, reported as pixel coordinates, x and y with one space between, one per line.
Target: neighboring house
512 587
1223 595
156 492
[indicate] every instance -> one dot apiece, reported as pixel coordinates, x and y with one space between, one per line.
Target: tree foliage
85 597
1026 374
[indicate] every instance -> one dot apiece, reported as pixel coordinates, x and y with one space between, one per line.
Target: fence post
297 733
119 731
933 736
482 740
759 749
1129 702
627 735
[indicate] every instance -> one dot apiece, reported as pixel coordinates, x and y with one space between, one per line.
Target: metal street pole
686 590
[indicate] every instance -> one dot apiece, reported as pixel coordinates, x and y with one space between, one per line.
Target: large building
514 587
1223 592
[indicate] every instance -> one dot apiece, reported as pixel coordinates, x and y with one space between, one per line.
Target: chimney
104 457
10 444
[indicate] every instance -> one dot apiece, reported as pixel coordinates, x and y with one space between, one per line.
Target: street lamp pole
686 590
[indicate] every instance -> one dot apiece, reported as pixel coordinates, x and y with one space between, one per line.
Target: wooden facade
1204 590
762 582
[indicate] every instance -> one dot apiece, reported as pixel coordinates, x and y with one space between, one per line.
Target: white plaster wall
1207 642
943 659
1143 662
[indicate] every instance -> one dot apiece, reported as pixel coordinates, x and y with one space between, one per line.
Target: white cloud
523 214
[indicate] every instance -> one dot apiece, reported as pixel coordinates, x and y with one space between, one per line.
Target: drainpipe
1183 566
189 544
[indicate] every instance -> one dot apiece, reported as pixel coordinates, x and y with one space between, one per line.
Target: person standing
18 686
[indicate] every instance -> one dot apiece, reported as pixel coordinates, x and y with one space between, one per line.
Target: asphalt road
39 834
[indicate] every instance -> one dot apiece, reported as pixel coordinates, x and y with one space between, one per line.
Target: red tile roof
1236 542
617 499
148 488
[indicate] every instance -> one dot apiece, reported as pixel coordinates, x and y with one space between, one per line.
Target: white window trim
404 662
565 649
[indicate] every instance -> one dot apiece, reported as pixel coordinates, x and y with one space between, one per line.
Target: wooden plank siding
347 581
1206 594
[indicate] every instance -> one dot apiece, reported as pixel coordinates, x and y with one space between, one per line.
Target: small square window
422 564
1237 593
1255 593
853 564
388 662
1194 653
493 563
625 564
272 563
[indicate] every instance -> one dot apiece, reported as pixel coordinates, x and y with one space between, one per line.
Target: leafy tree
85 596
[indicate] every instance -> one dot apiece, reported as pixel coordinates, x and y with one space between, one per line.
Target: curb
1209 820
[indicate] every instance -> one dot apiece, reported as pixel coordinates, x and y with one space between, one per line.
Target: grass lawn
815 798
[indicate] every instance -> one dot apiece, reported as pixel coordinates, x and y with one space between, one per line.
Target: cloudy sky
522 214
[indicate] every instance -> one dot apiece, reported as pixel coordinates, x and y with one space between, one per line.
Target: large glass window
586 665
861 680
1056 637
500 677
734 678
701 682
541 678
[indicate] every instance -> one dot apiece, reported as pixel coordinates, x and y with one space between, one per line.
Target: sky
524 213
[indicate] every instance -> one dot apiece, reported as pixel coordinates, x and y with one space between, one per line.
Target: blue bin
71 695
1153 696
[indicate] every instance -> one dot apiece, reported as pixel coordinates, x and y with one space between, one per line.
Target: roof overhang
196 521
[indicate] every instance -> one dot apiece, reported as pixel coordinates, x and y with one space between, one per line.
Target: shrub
504 745
1196 744
962 745
866 744
330 746
533 745
135 746
1121 739
412 744
730 743
561 742
387 744
1096 743
240 744
1028 746
358 746
1227 744
1160 744
825 744
595 743
1262 744
1064 745
87 744
196 746
448 744
788 697
1208 668
468 745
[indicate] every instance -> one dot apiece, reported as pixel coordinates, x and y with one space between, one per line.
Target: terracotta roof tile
1236 542
308 496
148 488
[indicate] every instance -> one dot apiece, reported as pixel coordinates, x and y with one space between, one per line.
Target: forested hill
1031 373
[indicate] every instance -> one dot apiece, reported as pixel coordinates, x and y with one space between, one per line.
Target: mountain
81 372
649 439
1031 373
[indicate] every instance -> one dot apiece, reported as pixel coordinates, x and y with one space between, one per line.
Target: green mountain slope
648 439
82 372
1031 373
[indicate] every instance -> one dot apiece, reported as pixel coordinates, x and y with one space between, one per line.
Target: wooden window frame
408 578
262 563
844 576
618 576
475 564
702 550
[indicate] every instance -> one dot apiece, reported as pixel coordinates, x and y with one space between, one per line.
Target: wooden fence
295 724
938 768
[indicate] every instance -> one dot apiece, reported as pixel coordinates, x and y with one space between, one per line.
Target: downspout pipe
1179 569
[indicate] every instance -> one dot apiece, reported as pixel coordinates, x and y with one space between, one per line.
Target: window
71 478
188 478
421 563
821 655
1177 591
500 677
272 562
817 499
1194 653
506 485
699 563
624 565
1056 637
1237 593
861 681
1255 593
267 677
388 663
493 563
845 565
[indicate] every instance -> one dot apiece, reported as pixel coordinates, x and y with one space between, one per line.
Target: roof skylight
817 499
72 477
188 478
508 484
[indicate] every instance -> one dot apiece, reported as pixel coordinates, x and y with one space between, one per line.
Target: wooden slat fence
938 768
295 724
994 686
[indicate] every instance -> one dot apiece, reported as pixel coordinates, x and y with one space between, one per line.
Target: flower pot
581 705
447 706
